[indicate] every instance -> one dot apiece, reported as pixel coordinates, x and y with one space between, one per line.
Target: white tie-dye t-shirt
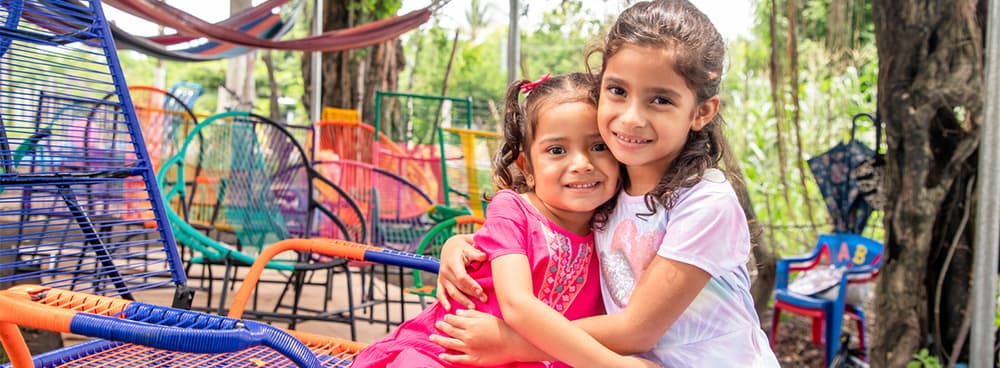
706 229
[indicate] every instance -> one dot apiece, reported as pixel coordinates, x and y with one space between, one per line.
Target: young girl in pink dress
557 178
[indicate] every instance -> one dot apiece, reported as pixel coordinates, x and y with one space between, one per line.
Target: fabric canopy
339 40
260 21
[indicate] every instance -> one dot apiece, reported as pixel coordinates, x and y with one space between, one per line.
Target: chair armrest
329 247
862 274
786 265
138 323
813 255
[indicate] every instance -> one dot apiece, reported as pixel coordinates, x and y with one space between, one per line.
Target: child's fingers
447 289
457 358
441 297
468 286
450 330
473 254
452 322
467 314
460 282
448 342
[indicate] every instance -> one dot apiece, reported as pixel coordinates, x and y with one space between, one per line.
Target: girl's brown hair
521 119
698 53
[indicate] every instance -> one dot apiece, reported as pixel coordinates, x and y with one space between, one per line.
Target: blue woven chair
76 230
138 334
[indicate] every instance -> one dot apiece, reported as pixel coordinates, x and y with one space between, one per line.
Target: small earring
530 180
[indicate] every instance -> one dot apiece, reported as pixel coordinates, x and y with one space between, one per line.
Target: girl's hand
453 281
481 338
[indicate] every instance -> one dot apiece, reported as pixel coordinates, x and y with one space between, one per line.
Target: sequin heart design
625 260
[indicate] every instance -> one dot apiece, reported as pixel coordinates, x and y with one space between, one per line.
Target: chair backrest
245 175
83 168
186 93
345 140
467 179
851 250
356 141
165 121
421 166
395 206
338 114
431 243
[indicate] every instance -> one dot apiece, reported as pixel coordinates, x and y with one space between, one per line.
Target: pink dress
564 274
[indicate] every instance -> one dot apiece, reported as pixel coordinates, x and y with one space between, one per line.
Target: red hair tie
526 88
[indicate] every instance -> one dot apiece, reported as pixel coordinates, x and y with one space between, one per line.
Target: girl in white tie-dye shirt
673 257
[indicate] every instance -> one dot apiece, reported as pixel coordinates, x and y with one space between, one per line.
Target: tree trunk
442 106
930 98
777 101
240 91
764 261
272 83
350 78
793 87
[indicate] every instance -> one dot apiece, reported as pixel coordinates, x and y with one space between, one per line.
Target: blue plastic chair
860 257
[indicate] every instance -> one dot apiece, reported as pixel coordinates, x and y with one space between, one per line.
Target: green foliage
374 9
556 46
139 70
923 359
829 96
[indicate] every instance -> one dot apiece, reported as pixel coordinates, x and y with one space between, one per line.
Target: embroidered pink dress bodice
564 274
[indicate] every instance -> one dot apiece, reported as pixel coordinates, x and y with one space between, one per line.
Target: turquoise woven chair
241 182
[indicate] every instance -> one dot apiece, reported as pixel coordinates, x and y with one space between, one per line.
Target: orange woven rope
328 247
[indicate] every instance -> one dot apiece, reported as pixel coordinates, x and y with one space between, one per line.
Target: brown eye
662 101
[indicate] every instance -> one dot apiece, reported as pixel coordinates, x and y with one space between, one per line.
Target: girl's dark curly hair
698 52
521 119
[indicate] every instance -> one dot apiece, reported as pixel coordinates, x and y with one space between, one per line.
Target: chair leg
402 295
858 315
817 330
775 318
299 283
350 303
385 278
832 322
225 287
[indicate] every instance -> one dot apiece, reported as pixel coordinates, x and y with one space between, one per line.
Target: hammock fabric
339 40
260 21
239 20
271 27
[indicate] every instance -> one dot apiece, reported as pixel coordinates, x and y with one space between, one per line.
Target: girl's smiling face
645 112
571 168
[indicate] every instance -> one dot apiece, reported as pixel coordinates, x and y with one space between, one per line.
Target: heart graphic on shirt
639 250
627 257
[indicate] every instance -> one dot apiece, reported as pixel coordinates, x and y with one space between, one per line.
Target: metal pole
316 80
984 264
513 43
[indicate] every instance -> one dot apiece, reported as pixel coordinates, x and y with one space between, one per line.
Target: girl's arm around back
665 290
541 325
